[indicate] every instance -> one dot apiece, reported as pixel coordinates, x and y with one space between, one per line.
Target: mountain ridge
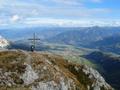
43 71
108 65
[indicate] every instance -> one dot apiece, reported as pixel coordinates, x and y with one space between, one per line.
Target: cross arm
34 39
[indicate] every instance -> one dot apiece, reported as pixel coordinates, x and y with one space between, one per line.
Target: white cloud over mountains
71 23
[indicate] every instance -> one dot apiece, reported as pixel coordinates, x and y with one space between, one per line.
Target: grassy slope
71 53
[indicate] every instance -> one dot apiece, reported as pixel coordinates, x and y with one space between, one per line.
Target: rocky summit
3 42
22 70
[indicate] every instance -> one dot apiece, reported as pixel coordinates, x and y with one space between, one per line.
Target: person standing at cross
32 48
34 39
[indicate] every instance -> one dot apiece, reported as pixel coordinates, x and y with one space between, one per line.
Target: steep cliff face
3 42
20 70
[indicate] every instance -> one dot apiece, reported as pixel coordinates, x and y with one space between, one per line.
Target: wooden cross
34 39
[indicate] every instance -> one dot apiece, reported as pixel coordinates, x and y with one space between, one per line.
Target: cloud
36 8
15 18
71 23
20 10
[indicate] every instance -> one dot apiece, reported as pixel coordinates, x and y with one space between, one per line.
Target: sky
59 12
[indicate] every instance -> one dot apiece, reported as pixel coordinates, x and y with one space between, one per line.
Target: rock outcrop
3 42
21 70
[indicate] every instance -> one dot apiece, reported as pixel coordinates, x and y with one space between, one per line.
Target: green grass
80 60
71 53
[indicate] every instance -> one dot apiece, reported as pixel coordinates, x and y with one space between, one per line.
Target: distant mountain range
109 44
102 38
25 33
84 36
55 34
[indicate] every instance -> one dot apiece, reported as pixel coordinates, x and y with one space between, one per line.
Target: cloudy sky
60 12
